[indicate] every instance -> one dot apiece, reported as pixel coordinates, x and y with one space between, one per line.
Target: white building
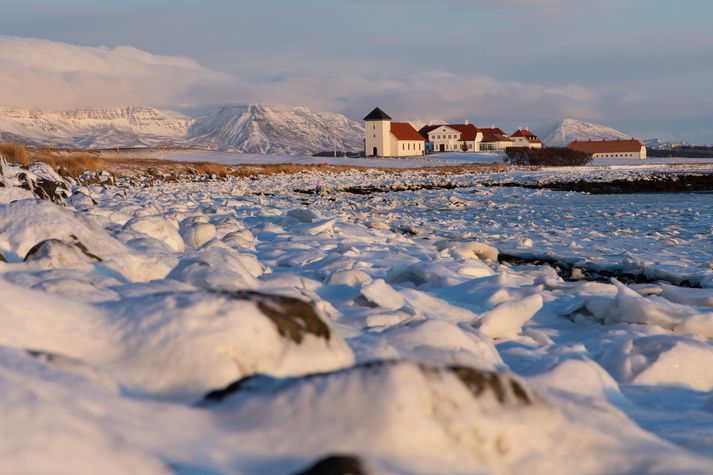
525 138
610 148
452 137
384 138
494 140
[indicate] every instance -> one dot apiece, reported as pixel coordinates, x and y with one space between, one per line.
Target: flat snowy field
435 160
259 325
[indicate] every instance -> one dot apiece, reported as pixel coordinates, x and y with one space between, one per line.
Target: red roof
468 132
492 131
495 138
404 131
607 146
527 134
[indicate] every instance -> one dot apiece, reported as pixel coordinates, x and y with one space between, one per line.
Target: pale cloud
41 73
44 74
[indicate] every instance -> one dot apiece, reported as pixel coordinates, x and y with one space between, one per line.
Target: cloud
47 74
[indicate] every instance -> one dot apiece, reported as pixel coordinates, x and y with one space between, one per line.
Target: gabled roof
496 138
377 114
493 131
426 129
468 132
532 138
405 131
606 146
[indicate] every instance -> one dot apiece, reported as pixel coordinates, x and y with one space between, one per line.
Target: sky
642 66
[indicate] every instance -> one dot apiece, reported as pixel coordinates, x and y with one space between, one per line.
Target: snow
562 133
251 128
242 326
232 158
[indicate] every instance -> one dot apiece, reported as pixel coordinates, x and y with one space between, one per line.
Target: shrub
547 157
15 153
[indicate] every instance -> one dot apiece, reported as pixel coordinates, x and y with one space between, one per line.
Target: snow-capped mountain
262 128
562 133
94 128
245 128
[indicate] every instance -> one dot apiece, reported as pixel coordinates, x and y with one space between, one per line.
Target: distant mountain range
248 128
251 128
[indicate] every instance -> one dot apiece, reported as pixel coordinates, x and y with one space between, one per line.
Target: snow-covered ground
232 158
435 160
377 326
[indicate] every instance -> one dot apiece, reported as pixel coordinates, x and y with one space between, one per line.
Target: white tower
377 130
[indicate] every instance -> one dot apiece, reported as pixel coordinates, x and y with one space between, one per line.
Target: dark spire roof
377 114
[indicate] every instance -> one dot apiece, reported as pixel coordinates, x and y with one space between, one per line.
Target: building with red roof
525 138
385 138
631 148
451 137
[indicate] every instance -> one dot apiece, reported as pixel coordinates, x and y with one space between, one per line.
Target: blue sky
644 66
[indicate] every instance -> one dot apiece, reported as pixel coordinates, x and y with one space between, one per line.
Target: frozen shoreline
378 326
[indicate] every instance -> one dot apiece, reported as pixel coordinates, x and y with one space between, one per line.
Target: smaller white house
525 138
384 138
495 140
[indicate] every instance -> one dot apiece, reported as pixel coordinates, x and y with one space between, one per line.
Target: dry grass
66 163
15 153
207 168
72 164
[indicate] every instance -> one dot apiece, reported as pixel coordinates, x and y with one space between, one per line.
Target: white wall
641 154
377 134
443 135
407 148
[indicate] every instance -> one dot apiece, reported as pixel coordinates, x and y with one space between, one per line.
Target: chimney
466 121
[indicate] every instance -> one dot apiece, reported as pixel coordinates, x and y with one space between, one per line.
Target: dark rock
335 465
42 188
658 183
566 270
2 257
219 395
45 249
507 389
293 318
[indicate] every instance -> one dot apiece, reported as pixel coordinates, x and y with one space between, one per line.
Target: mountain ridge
250 128
563 132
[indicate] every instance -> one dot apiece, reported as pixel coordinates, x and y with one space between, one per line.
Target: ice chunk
216 268
469 249
352 278
158 228
381 294
661 360
506 320
198 234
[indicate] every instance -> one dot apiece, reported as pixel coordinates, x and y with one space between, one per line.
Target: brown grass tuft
207 168
70 164
15 153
